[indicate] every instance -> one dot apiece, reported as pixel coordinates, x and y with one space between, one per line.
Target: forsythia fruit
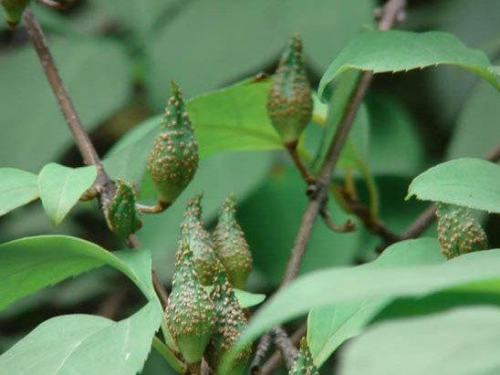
231 246
174 159
190 313
458 231
122 215
230 322
290 103
304 364
199 241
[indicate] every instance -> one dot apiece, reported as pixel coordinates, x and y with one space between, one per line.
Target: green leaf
85 344
329 326
396 51
32 263
465 182
477 130
33 132
234 118
245 299
128 157
463 341
228 39
371 283
17 188
61 188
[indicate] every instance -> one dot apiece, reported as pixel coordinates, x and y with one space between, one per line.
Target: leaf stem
306 174
276 360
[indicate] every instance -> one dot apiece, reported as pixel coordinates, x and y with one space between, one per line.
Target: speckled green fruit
174 159
14 10
231 246
230 322
304 364
290 103
122 215
458 231
190 313
199 241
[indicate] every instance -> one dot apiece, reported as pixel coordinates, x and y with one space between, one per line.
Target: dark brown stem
111 305
347 227
87 150
307 176
421 223
276 360
285 345
260 353
373 224
494 154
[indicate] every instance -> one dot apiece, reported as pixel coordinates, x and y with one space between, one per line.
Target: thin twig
306 174
104 184
373 224
286 346
260 353
347 227
111 305
276 360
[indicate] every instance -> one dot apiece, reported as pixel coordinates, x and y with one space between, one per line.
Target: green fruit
231 246
122 215
14 10
304 364
290 103
199 241
174 159
458 231
230 322
190 313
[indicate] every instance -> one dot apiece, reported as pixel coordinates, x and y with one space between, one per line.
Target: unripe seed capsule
174 159
458 231
190 313
199 241
122 216
231 246
290 103
304 364
230 322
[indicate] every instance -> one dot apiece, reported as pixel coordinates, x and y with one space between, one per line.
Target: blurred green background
117 58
